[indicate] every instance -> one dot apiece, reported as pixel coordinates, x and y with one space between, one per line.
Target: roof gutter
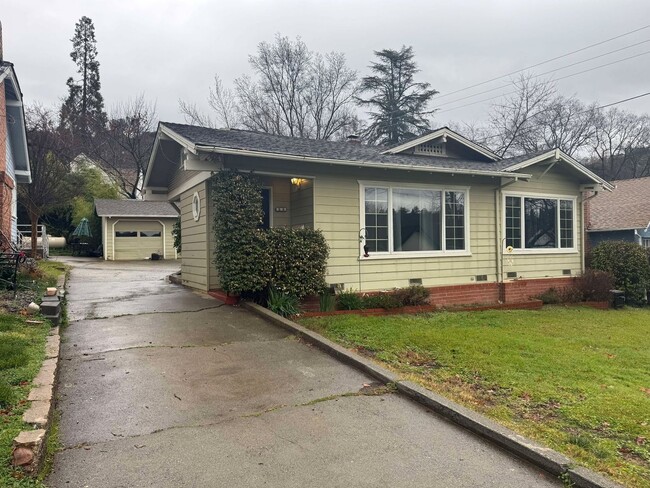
369 164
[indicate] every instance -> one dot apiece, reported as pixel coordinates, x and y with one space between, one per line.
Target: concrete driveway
163 387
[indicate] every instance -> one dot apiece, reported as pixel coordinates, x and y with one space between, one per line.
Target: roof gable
16 130
439 137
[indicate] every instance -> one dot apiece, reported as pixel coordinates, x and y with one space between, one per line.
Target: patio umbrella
83 229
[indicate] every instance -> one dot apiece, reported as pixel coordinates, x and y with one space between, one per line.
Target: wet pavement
164 387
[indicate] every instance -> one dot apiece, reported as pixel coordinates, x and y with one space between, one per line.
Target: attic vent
431 149
566 272
511 274
481 277
415 281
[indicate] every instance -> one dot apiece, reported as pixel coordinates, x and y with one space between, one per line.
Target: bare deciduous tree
50 156
294 92
622 145
123 150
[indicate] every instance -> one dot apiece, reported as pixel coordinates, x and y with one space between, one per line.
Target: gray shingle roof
344 151
134 208
627 207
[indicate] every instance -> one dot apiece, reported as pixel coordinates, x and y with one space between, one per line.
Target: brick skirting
509 292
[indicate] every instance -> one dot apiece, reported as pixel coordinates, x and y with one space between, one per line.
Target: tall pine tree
82 113
397 103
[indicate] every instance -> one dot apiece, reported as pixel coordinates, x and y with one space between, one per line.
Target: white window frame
645 242
392 254
547 196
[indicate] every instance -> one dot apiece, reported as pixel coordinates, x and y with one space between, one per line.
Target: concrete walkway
163 387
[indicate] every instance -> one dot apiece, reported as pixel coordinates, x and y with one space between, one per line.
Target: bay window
540 222
403 220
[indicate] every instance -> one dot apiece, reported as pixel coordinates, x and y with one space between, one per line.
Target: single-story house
14 158
621 215
135 229
439 210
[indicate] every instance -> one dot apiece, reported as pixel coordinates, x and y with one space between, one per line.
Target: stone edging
29 446
543 457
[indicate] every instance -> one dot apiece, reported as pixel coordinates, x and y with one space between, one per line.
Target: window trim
391 254
541 250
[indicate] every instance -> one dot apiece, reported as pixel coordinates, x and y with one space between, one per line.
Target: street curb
545 458
29 447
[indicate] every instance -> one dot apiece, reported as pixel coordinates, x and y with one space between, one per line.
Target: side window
266 207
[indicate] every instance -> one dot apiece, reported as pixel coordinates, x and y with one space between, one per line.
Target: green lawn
575 379
22 350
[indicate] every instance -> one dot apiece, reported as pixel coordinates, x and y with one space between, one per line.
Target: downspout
583 237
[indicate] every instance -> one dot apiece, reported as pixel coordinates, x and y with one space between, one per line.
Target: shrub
629 265
282 303
297 259
176 233
349 300
241 252
385 300
594 285
550 297
412 296
327 301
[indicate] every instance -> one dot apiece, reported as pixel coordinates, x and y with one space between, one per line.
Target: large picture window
539 222
406 220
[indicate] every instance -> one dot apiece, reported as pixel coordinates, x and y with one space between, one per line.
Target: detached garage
136 229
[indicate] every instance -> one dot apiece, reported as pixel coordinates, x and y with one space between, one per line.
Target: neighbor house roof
134 208
627 207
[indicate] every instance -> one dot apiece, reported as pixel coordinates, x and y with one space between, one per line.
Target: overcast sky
172 49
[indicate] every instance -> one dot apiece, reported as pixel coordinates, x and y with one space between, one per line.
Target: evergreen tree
82 112
397 103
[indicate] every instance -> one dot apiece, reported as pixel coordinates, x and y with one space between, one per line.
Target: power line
557 79
623 101
548 72
545 62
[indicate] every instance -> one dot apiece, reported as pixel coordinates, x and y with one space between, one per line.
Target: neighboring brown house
621 215
14 160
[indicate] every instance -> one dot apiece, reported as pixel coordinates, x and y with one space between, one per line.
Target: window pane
150 233
454 220
376 208
417 220
541 223
513 222
126 233
566 223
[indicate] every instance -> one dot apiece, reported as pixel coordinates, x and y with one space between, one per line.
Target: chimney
353 139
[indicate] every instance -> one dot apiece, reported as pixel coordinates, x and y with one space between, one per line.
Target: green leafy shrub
594 285
327 301
241 252
297 259
176 233
349 300
415 295
628 263
282 303
385 300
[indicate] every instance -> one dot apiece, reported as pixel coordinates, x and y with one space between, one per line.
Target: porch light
298 181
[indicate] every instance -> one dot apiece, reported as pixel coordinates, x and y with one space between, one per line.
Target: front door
266 207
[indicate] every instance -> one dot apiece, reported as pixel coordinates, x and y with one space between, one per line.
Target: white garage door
138 239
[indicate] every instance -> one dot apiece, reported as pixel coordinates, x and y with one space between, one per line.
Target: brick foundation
510 292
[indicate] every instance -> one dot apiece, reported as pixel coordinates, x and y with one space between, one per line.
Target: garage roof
134 208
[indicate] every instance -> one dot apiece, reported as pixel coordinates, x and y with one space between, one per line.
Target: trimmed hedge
241 255
628 263
252 260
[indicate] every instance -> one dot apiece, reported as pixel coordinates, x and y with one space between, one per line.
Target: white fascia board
440 133
363 164
557 155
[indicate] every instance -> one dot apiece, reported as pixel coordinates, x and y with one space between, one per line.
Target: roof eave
370 164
